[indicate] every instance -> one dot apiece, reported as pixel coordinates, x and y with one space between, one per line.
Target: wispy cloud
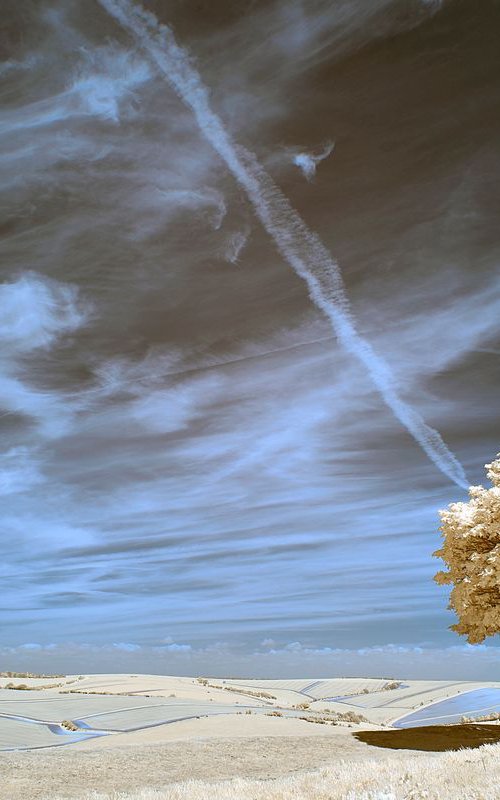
187 447
19 471
35 312
308 162
302 249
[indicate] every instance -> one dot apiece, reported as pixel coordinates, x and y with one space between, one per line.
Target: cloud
127 647
234 245
300 247
47 409
187 441
176 648
464 319
35 311
250 496
107 81
308 162
221 659
205 197
163 411
19 470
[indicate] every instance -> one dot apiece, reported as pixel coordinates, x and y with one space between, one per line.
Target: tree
471 551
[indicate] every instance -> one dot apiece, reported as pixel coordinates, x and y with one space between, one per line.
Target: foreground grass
460 775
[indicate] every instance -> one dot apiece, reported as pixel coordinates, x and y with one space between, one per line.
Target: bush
351 716
69 725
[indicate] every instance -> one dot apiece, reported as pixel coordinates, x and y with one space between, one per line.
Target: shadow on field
432 737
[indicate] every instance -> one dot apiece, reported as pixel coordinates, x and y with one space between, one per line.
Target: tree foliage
471 551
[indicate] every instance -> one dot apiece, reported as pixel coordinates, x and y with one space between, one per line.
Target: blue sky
196 472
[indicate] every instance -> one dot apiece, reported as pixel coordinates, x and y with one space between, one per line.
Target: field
113 736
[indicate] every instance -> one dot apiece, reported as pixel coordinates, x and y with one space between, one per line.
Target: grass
464 775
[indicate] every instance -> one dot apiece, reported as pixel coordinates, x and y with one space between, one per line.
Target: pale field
239 749
161 731
113 704
322 770
466 775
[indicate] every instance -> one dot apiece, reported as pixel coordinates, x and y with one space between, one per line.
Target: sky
249 326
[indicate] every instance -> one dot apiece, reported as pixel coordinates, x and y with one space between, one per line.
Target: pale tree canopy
471 551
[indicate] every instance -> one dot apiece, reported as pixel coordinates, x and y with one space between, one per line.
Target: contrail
301 247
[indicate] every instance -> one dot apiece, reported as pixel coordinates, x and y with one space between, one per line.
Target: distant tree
471 551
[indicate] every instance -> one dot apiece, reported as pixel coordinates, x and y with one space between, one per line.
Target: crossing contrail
298 245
